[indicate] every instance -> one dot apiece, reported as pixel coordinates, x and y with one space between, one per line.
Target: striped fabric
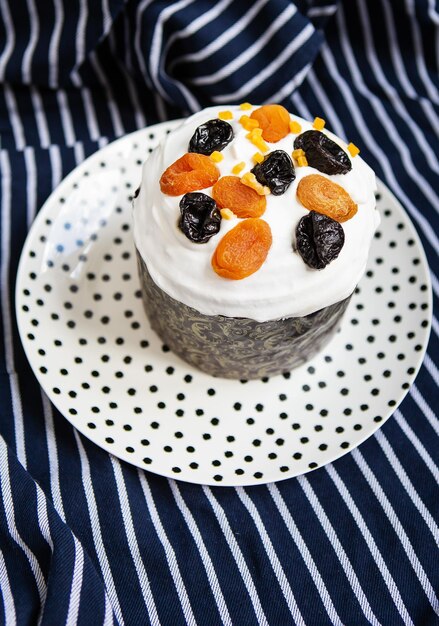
86 539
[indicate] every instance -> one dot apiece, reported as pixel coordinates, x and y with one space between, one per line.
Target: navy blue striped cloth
86 539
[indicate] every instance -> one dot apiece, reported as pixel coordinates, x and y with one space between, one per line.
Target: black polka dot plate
87 339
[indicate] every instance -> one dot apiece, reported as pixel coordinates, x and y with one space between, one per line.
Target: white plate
87 339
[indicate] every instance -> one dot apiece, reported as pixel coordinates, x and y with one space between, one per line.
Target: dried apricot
190 172
320 194
230 193
242 251
274 120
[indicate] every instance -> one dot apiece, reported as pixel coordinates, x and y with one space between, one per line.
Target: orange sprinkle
255 137
249 179
216 156
245 106
248 123
319 123
258 157
295 127
227 214
225 115
298 153
353 150
237 169
302 161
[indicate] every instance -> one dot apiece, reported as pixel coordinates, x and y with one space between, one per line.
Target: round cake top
189 265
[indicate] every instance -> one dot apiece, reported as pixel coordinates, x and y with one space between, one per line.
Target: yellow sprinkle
237 169
225 115
353 150
255 137
245 106
248 123
258 157
295 127
227 214
216 156
249 179
301 161
298 153
318 123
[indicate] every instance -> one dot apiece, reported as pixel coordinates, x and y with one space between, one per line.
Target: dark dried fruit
200 218
319 239
276 171
213 135
323 153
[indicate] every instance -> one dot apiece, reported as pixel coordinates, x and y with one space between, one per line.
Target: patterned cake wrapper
236 347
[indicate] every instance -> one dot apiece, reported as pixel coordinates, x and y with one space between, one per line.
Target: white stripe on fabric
14 117
31 184
10 614
289 86
133 545
419 53
17 409
169 551
108 614
391 92
66 117
90 112
204 554
339 551
131 85
80 33
272 556
8 505
420 449
249 53
298 41
55 165
374 147
371 544
321 11
155 54
298 101
43 520
26 65
238 556
40 117
398 528
220 42
107 19
431 368
52 450
75 589
96 530
10 39
54 44
408 485
305 554
114 112
78 150
381 114
425 408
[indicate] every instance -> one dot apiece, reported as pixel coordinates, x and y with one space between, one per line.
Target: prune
213 135
200 218
319 239
276 171
323 153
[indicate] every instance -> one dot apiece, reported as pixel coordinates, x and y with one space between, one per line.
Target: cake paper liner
236 347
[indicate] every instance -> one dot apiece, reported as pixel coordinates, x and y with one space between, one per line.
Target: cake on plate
252 228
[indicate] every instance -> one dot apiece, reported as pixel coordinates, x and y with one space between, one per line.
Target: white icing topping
284 286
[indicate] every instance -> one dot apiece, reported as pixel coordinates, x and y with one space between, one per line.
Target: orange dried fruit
229 192
242 251
274 120
190 172
320 194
